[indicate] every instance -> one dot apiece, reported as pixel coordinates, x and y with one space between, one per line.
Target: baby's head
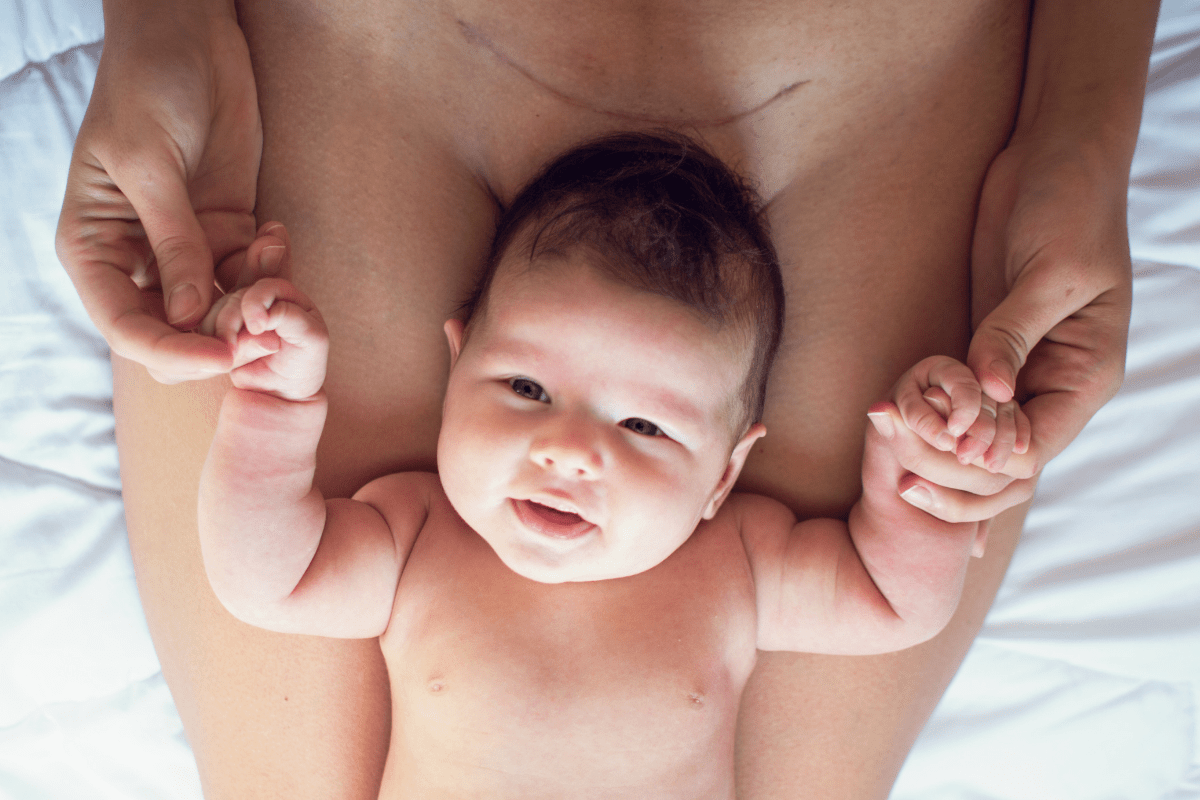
608 377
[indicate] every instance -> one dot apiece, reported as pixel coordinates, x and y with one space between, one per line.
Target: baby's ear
454 335
737 459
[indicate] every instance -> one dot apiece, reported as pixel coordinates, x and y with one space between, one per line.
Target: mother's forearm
1086 73
128 10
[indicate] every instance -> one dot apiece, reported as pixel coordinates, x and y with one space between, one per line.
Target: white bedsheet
1083 684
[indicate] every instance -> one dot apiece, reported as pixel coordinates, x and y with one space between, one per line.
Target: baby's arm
278 555
891 576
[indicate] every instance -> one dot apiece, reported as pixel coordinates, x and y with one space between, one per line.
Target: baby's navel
696 699
437 685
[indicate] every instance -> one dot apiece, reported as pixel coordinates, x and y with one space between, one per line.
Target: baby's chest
509 674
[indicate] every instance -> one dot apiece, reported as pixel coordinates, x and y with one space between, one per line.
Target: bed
1084 684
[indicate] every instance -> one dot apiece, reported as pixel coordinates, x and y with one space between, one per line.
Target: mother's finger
951 505
130 321
155 182
918 457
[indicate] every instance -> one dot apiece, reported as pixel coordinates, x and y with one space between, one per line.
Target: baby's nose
572 452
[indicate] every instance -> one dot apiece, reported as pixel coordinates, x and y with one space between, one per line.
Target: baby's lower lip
551 522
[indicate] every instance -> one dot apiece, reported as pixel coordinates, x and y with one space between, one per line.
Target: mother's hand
1051 293
160 194
1051 272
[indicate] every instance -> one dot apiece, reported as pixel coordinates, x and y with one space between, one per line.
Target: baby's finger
979 436
953 505
965 393
251 347
1024 432
936 396
918 413
258 308
916 456
208 325
956 387
1006 437
293 324
229 319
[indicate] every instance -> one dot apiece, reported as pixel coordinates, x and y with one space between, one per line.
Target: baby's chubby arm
891 576
278 555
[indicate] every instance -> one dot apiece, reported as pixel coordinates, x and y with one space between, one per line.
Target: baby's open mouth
551 521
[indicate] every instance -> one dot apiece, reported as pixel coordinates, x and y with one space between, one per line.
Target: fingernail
935 400
945 442
918 496
274 230
1002 371
182 303
883 423
271 259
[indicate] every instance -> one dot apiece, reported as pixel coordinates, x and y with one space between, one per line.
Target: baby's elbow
241 606
252 608
920 628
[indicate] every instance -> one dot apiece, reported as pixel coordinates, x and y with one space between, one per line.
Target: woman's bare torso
504 687
867 127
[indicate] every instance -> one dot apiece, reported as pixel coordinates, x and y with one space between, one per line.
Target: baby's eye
644 427
527 388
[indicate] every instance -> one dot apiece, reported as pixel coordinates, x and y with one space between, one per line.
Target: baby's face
588 427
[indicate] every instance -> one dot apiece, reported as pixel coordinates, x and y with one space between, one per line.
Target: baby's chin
547 566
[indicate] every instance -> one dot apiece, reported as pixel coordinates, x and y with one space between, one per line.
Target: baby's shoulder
403 497
746 512
402 483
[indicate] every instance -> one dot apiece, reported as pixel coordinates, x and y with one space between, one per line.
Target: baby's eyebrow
508 348
676 407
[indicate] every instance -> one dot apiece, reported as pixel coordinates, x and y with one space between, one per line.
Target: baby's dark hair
667 217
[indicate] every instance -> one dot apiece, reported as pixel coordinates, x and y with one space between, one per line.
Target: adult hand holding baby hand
277 336
1052 285
161 189
953 443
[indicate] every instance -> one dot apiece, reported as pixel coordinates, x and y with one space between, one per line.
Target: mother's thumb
160 198
1036 303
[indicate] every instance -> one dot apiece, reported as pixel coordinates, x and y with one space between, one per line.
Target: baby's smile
587 424
557 523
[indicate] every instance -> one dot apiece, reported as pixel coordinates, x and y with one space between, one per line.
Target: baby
571 607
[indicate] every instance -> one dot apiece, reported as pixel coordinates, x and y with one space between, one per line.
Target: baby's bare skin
619 671
505 687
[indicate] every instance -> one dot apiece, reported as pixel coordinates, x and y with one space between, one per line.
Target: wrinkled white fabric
1082 685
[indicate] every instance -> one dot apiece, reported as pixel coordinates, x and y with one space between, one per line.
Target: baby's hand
941 401
278 337
950 442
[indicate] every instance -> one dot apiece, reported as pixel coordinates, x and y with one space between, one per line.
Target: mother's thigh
266 715
386 231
